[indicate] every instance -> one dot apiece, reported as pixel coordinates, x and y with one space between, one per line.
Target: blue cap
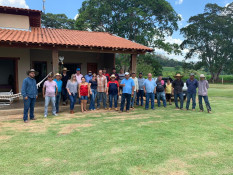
78 69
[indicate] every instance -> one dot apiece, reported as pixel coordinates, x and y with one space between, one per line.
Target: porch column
133 63
55 61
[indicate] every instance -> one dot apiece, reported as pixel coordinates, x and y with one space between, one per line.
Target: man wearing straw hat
178 85
203 87
64 79
59 87
30 94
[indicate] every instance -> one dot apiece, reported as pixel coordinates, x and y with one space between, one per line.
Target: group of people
91 86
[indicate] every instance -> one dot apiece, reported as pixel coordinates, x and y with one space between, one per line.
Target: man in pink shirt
49 93
78 75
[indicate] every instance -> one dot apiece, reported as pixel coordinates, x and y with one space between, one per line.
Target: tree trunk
215 77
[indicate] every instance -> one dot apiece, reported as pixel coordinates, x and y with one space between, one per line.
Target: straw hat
178 75
57 74
65 69
113 76
202 76
32 70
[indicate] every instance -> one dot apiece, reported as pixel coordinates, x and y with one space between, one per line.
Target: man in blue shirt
59 87
140 93
192 85
30 94
128 91
150 90
88 77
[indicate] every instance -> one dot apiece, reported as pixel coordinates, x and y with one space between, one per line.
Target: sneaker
26 121
109 109
193 109
120 111
33 118
55 115
45 116
201 111
209 112
64 103
98 108
116 109
127 111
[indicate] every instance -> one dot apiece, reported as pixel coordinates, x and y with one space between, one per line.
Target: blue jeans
64 94
47 101
148 97
29 103
111 97
189 96
72 98
161 95
140 94
127 97
181 97
206 102
132 99
58 98
101 96
93 97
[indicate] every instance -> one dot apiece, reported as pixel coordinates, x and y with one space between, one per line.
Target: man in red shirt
113 91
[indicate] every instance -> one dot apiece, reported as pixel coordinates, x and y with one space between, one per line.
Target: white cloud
14 3
178 2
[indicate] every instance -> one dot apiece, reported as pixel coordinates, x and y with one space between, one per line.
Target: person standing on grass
128 90
72 89
203 87
88 77
101 89
30 94
64 79
150 90
178 85
168 91
59 87
135 79
84 93
50 91
93 91
121 77
140 92
192 85
115 73
160 90
113 91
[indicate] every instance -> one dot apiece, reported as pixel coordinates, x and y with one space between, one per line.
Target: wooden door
92 67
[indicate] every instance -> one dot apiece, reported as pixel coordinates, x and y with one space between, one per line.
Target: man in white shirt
135 79
78 75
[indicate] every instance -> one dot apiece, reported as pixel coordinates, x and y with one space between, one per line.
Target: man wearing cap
203 87
192 85
140 93
88 77
128 90
101 89
78 75
64 79
30 94
113 91
150 90
59 90
178 85
135 79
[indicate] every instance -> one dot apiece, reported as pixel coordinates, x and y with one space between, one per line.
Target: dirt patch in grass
128 117
4 137
206 154
67 129
159 121
78 173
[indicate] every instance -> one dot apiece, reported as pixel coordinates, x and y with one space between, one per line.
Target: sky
186 8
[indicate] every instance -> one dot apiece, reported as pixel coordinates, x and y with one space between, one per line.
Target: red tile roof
74 38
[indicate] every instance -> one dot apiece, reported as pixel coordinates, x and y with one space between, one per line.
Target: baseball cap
126 73
78 69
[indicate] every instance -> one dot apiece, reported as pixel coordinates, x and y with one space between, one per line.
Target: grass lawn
164 141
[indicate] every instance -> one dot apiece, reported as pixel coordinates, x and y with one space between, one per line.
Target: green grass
164 141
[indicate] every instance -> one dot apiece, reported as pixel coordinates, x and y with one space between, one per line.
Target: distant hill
167 62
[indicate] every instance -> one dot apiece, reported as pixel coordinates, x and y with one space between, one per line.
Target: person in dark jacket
192 85
64 79
30 94
160 90
178 85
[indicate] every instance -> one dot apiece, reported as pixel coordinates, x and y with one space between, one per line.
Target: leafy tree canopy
147 22
210 36
58 21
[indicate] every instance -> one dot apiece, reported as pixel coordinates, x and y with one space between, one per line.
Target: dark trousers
150 96
189 97
29 103
206 102
161 95
126 97
111 98
58 98
140 94
73 98
64 94
181 97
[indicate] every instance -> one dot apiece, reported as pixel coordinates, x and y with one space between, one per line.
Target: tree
147 22
57 21
210 36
